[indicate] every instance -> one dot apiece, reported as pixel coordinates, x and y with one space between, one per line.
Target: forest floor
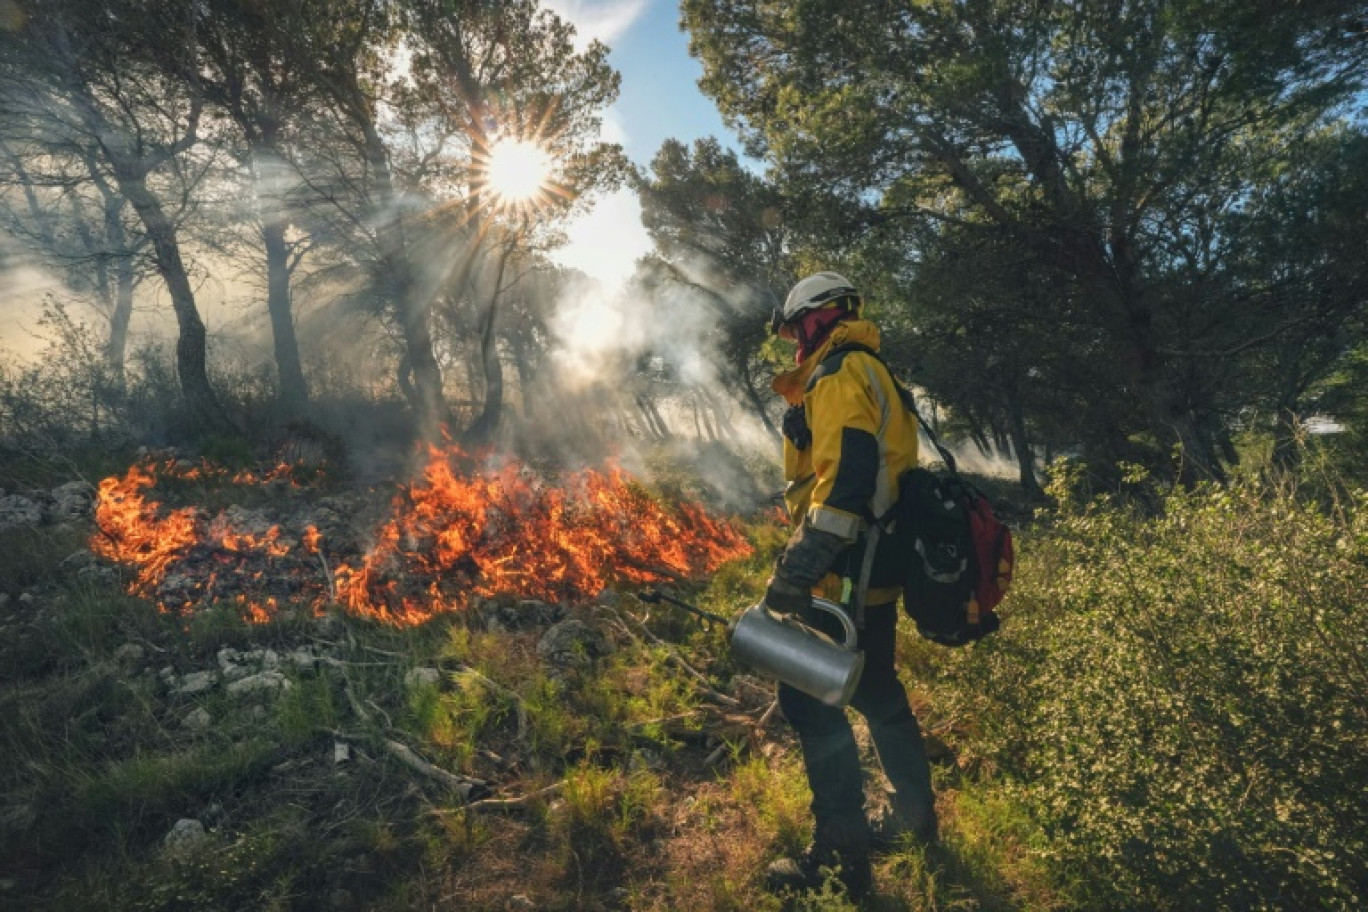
514 755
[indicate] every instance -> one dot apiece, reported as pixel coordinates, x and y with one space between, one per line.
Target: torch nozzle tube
655 597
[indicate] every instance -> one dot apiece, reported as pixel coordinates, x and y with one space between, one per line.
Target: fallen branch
672 655
462 785
765 717
513 804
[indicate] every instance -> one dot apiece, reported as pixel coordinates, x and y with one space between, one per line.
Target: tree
247 68
68 215
1113 141
86 74
720 232
412 190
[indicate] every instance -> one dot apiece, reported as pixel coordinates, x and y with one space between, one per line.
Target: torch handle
655 596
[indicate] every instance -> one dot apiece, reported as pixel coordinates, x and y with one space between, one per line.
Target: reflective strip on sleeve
837 522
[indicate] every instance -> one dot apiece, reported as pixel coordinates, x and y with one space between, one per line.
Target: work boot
906 822
847 860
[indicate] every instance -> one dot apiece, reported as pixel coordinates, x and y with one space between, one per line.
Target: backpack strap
903 393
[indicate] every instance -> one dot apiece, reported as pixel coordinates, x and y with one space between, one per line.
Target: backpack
958 556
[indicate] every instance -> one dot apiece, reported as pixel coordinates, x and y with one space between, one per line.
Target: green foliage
1121 227
1178 699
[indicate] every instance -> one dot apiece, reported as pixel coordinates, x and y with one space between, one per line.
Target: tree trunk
116 347
294 392
482 431
414 313
1021 445
753 397
191 355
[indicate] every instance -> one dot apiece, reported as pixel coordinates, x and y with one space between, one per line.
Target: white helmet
812 293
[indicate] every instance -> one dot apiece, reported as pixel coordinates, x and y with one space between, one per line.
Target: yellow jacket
863 439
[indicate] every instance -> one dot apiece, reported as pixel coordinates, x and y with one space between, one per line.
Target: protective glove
795 427
785 597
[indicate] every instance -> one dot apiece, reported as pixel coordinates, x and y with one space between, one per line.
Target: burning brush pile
458 531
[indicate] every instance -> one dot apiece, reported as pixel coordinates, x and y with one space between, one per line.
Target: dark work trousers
830 755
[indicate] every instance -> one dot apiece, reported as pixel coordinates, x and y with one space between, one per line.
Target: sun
517 171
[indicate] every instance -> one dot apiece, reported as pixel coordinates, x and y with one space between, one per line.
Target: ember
449 536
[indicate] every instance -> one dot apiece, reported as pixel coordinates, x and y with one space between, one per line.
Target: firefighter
847 440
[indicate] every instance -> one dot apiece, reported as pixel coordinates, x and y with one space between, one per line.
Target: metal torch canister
783 647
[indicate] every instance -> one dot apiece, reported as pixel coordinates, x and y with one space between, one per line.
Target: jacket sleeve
844 418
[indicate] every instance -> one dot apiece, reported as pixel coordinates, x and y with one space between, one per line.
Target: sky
659 99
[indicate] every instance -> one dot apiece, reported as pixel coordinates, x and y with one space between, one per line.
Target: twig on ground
512 804
673 655
666 720
716 756
765 717
462 785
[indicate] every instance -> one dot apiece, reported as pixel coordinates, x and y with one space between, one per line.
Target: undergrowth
1172 717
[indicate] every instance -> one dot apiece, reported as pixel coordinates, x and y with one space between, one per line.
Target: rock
167 674
240 521
573 644
521 901
341 752
70 501
129 654
26 599
17 510
195 682
198 720
302 658
77 561
228 661
423 676
645 759
184 834
266 682
98 573
270 659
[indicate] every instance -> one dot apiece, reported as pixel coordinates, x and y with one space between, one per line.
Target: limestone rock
266 682
18 510
70 501
198 720
422 676
573 644
195 682
184 834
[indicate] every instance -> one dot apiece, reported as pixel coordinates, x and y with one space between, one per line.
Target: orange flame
133 534
450 536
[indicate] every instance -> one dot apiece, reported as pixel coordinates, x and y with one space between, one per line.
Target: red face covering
812 328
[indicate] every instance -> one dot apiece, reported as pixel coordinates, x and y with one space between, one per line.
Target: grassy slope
660 797
1171 718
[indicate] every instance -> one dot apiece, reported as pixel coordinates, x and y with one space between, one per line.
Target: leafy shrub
1180 699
